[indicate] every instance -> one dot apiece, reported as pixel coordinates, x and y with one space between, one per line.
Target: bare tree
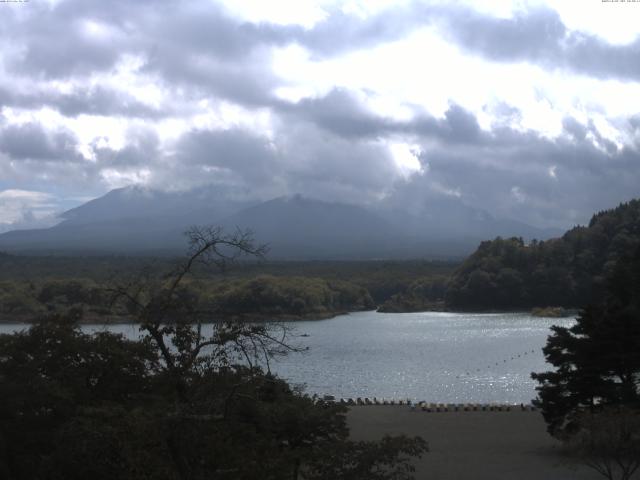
174 318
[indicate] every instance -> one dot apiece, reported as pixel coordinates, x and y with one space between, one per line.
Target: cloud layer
517 112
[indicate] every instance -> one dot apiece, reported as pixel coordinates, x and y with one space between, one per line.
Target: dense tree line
31 286
299 296
24 300
568 271
421 295
262 297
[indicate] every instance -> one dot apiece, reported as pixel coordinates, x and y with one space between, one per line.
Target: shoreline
126 320
92 319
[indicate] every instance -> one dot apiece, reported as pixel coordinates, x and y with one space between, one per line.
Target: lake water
432 356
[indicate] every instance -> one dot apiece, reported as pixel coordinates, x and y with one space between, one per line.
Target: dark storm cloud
512 173
189 45
303 160
361 166
52 42
208 52
248 155
535 35
49 161
186 43
579 133
31 141
142 149
574 128
525 175
538 36
248 83
96 100
103 101
460 125
532 35
340 113
57 45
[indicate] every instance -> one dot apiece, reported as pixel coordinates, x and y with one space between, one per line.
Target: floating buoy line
429 407
503 361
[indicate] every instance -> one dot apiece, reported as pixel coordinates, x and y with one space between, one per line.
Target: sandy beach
479 445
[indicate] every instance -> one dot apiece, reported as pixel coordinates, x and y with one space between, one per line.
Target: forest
569 271
502 274
31 285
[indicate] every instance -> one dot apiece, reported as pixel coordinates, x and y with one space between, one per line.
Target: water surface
432 356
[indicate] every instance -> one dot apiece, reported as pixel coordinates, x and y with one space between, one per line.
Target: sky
527 109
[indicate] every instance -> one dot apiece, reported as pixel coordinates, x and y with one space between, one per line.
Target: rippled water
438 357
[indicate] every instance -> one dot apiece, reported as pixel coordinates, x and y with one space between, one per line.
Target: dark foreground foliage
186 401
78 406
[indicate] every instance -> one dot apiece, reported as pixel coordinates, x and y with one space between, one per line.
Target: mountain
297 227
138 220
127 220
199 205
447 218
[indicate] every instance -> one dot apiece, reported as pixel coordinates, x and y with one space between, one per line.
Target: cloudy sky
528 109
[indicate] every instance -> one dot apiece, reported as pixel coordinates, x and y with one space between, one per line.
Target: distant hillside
141 221
129 235
568 271
298 227
448 217
198 205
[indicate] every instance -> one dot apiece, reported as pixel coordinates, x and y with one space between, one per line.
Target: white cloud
25 208
23 195
616 22
114 178
406 158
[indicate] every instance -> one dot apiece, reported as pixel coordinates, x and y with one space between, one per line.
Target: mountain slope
201 204
139 220
448 217
127 220
297 227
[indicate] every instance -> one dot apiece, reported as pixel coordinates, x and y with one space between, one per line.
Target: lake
432 356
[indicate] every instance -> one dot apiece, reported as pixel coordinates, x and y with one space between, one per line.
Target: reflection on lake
438 357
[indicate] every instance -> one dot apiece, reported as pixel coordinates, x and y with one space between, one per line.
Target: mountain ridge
137 220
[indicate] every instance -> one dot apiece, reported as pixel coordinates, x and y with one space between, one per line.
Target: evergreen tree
597 360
